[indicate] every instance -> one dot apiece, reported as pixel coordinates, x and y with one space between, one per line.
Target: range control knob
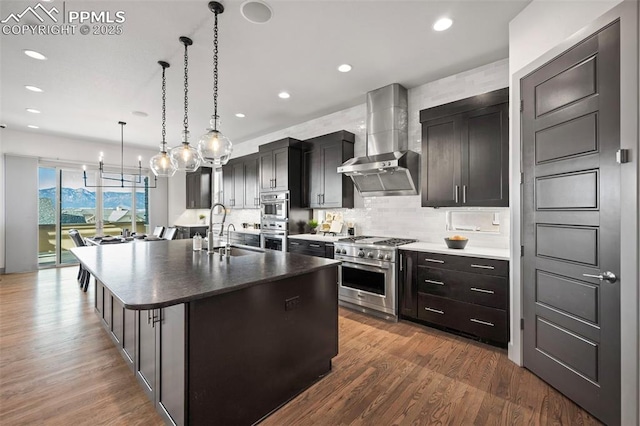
387 257
360 253
337 251
370 255
344 251
380 256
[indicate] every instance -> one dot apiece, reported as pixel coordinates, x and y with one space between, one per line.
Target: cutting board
336 227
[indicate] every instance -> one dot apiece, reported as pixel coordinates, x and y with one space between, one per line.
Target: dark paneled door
571 223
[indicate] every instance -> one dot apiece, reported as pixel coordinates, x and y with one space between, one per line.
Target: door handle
455 193
464 194
607 276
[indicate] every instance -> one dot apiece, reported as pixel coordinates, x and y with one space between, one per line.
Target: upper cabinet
281 168
199 188
465 152
240 183
326 188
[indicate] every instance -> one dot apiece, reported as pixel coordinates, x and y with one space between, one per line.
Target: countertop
470 250
316 237
165 273
193 225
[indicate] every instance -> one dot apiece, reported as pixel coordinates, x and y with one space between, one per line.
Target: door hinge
521 251
521 105
521 323
622 156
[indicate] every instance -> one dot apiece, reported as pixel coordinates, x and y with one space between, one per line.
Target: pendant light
213 146
186 156
162 164
129 180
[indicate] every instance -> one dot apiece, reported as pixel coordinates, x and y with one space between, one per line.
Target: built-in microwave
274 206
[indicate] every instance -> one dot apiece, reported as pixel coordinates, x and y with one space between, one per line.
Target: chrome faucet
227 248
210 233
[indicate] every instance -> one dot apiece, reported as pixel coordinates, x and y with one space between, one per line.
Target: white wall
401 216
539 33
42 146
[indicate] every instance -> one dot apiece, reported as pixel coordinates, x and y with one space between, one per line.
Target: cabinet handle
455 193
314 245
434 282
464 194
477 321
154 319
401 261
322 198
481 290
148 317
434 260
435 311
293 243
482 266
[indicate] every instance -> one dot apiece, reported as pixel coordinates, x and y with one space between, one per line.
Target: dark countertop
150 275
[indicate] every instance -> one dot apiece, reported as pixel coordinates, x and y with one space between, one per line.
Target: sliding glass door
65 203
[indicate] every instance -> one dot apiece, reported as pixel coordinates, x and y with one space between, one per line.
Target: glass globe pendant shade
185 156
214 147
162 165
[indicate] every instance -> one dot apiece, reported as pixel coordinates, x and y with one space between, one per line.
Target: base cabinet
160 367
464 294
233 358
311 248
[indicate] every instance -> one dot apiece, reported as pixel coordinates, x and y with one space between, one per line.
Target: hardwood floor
57 366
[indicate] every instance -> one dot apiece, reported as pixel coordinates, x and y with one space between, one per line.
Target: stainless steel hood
389 168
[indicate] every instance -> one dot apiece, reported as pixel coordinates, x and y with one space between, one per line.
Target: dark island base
251 351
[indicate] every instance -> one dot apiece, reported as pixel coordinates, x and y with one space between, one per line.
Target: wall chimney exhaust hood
389 168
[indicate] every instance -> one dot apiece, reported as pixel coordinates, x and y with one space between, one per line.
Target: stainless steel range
369 274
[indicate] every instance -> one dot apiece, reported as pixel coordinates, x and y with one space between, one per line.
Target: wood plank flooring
57 366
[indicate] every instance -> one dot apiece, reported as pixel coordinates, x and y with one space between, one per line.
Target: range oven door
369 285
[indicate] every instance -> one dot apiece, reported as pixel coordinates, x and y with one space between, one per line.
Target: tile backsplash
399 216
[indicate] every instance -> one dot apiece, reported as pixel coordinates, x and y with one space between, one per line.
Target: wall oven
274 206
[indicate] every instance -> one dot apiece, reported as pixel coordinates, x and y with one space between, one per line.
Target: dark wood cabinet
118 321
311 248
325 187
240 183
408 285
199 188
251 182
465 152
467 295
233 185
160 360
281 168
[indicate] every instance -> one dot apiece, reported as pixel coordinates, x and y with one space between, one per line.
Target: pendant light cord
215 72
122 123
186 92
164 111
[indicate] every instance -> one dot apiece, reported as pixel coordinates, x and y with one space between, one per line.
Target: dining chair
170 233
83 275
158 231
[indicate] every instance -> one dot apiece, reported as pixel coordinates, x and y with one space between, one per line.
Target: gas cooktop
379 241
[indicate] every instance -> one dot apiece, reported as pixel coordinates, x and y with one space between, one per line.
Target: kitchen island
217 340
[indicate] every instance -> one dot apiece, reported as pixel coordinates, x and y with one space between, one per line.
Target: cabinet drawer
252 240
480 321
463 263
315 248
485 290
440 282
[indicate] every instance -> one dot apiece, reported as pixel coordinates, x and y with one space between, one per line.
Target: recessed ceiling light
344 68
31 126
442 24
35 55
33 111
284 95
34 89
139 113
240 115
256 11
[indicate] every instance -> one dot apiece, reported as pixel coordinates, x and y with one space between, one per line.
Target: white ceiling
91 82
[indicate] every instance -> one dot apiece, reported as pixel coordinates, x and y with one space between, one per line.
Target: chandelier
126 180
